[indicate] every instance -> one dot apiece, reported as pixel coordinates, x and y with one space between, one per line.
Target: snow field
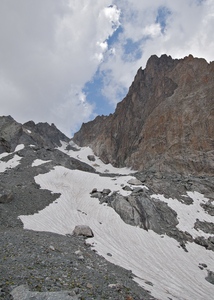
187 214
158 259
82 154
38 162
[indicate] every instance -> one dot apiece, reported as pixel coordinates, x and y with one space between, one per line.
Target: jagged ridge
165 123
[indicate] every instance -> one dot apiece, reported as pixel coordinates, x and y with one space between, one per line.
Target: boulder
210 277
6 196
96 195
135 181
127 188
22 292
91 157
94 190
83 230
106 192
137 190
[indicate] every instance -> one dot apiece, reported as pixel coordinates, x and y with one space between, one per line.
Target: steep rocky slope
165 123
41 135
158 225
51 266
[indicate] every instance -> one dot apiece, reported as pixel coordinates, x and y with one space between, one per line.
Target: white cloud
51 48
48 53
188 29
152 30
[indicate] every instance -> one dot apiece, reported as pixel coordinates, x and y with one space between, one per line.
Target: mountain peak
165 123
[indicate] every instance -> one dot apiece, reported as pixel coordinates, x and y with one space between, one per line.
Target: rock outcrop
165 123
41 135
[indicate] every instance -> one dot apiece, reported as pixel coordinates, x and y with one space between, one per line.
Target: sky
67 61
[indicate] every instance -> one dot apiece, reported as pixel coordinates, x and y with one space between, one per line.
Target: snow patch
187 214
38 162
4 154
19 147
82 153
160 260
12 163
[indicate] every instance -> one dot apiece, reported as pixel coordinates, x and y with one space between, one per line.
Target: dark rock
211 239
202 241
43 135
96 195
126 211
138 190
206 227
106 192
141 210
210 277
127 188
6 196
94 190
91 157
209 207
203 265
10 133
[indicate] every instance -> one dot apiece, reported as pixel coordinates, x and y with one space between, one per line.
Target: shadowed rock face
165 123
41 135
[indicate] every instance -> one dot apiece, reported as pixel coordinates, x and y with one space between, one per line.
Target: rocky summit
76 225
165 123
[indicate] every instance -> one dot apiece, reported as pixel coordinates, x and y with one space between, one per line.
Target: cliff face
165 123
42 135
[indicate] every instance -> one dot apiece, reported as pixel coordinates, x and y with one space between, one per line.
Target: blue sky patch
132 50
93 92
114 38
163 14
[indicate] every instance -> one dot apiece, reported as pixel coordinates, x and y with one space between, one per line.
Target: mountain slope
159 226
158 223
165 123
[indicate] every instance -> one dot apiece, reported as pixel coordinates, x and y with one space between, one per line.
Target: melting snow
19 147
38 162
187 214
82 153
159 259
13 162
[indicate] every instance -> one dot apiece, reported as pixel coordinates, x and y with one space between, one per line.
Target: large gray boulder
84 230
22 293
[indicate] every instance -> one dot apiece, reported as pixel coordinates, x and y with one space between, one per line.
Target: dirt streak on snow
174 273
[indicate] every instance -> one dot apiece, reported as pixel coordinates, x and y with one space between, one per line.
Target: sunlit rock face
165 123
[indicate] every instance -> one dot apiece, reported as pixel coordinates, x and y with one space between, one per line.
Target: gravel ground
46 262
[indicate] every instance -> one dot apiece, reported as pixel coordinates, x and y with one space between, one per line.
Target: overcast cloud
51 49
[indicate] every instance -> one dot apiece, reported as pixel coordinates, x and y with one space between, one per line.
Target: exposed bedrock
141 209
165 123
41 135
